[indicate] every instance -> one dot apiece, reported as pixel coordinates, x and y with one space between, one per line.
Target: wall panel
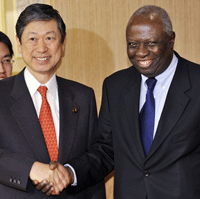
96 45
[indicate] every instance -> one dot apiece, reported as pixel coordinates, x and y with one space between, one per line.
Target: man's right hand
40 171
42 176
44 186
62 177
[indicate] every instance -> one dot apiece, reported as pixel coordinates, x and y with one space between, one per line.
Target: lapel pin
75 110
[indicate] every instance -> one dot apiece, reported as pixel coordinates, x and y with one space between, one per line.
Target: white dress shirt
160 90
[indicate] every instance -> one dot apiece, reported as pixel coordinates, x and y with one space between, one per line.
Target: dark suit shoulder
122 75
193 66
193 69
122 78
182 61
190 63
72 83
75 87
6 85
7 82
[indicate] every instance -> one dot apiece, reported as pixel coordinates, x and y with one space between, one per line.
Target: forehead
145 25
4 50
41 27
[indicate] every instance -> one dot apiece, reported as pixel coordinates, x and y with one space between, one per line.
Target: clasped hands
51 178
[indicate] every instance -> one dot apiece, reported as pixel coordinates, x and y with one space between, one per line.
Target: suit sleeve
14 170
97 162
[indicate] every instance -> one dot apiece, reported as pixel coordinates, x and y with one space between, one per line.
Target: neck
42 77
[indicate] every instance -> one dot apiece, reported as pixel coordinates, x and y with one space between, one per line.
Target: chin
147 73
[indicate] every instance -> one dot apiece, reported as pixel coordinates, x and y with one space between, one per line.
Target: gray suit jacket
22 142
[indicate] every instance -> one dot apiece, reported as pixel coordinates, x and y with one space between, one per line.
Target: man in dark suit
24 157
159 159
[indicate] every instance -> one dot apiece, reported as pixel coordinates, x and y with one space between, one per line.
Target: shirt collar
161 79
33 84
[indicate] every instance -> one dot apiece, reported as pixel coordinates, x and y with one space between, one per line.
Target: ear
19 45
63 46
172 39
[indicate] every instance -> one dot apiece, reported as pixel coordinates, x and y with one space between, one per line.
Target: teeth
144 63
42 59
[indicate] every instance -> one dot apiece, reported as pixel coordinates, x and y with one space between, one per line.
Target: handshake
51 178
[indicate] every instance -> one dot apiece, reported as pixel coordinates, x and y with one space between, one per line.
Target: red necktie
47 125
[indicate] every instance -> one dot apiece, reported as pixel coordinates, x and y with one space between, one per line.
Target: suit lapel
24 112
69 113
131 103
175 104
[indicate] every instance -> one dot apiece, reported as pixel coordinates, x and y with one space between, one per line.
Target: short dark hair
4 38
39 12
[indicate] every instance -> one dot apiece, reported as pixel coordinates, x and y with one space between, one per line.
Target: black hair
39 12
4 38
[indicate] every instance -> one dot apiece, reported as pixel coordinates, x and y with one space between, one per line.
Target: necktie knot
151 82
43 91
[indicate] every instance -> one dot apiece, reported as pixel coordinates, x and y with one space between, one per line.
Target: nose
2 70
41 46
142 50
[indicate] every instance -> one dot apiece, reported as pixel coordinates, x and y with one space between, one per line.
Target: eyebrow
45 33
50 32
7 55
32 33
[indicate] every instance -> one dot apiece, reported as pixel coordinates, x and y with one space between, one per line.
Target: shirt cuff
75 178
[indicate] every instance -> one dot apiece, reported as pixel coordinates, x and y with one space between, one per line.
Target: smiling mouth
42 58
145 63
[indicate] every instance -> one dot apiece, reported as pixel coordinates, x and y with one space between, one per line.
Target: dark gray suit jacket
22 142
172 168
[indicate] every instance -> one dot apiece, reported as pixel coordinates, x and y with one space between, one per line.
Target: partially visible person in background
6 54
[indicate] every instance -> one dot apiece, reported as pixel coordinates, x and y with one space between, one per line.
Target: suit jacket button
11 179
75 110
15 181
146 173
18 182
